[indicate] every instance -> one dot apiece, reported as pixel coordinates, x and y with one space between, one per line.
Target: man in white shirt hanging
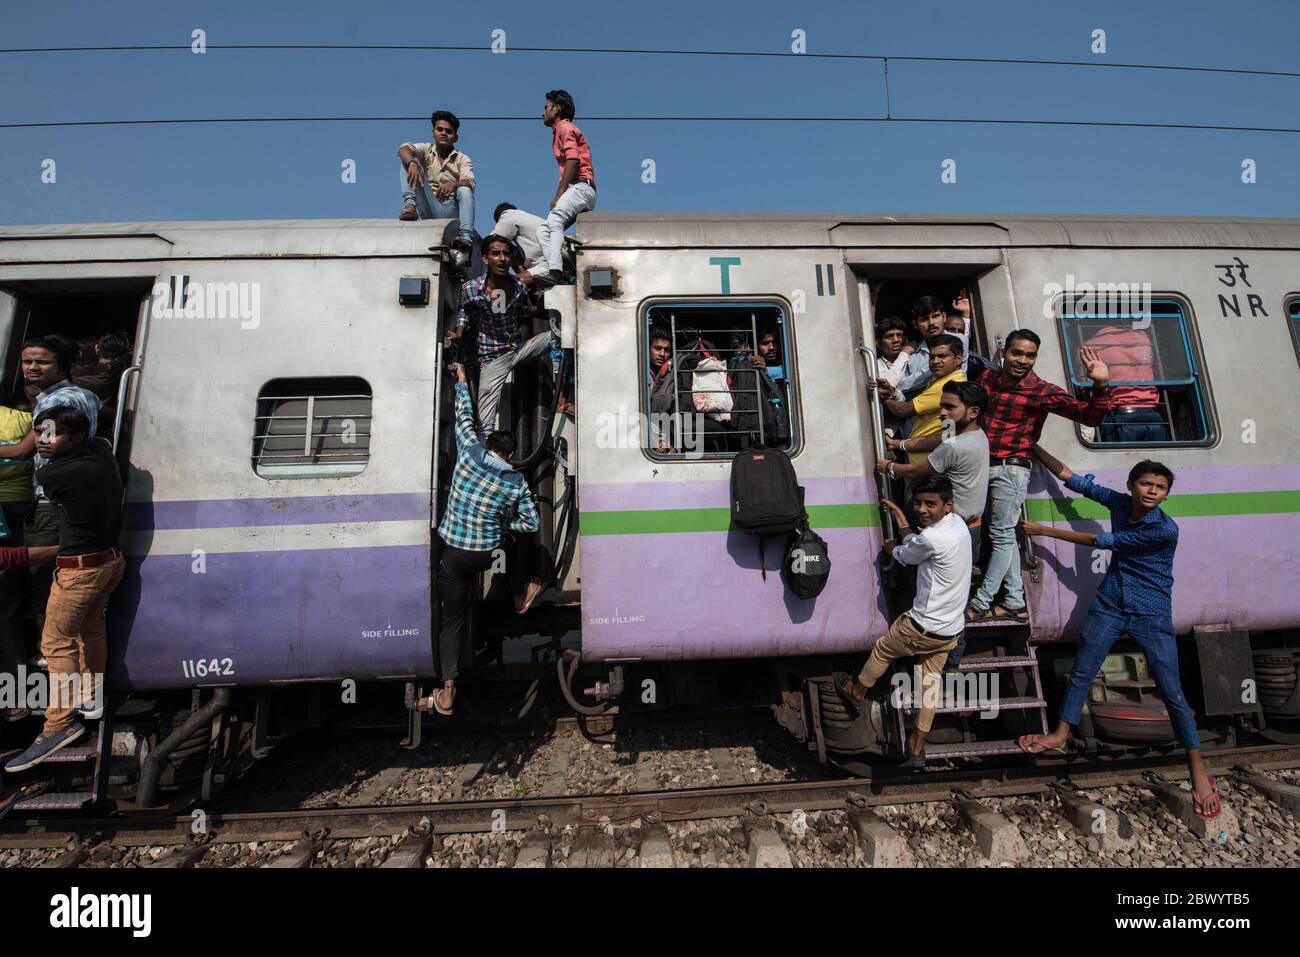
941 551
520 228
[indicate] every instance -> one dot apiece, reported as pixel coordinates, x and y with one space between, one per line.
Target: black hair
491 238
502 442
937 484
660 332
970 394
946 339
501 208
1148 467
114 344
1027 334
65 352
926 305
445 115
68 420
888 323
562 99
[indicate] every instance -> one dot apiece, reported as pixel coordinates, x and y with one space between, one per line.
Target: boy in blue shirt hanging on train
1135 599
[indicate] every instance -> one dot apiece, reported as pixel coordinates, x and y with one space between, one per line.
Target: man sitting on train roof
499 306
1018 405
487 494
931 628
520 228
962 458
576 191
82 479
1135 599
928 318
438 182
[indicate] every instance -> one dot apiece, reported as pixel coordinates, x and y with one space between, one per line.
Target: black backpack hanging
807 564
765 496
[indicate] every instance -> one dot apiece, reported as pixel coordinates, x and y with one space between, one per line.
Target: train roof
346 238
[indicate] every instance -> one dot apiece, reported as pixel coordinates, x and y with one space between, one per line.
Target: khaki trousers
906 640
75 640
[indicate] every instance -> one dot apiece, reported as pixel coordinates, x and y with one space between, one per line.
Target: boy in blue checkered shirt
487 494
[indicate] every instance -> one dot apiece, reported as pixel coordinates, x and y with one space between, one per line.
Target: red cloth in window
1129 355
12 557
1015 413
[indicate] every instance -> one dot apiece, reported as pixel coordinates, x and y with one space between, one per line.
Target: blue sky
276 171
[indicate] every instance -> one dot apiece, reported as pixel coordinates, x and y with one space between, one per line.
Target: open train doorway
101 321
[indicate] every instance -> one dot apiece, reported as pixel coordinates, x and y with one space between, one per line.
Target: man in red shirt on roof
1017 406
576 192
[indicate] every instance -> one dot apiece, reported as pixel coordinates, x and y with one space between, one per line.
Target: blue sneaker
44 746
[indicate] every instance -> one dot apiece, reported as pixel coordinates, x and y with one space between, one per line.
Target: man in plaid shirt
486 494
498 305
1018 405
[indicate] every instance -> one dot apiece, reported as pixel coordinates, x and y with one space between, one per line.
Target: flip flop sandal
445 712
840 679
12 796
912 762
1003 613
974 614
1026 745
1199 807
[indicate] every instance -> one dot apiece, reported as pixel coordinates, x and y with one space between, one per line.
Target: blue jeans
1137 425
1008 486
578 198
428 206
1155 636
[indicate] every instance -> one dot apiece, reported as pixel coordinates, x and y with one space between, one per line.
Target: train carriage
283 432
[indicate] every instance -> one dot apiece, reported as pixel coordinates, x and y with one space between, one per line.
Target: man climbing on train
499 307
1135 599
487 495
1018 405
933 625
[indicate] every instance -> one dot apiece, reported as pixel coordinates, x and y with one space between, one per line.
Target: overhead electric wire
630 51
1116 124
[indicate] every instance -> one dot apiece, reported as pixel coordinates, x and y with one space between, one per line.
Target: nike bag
807 563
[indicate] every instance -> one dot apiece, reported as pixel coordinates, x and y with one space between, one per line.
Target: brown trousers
75 640
906 640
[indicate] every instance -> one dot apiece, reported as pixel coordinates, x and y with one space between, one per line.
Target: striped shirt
486 492
63 393
498 325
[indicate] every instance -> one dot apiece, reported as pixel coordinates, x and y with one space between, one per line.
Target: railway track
595 818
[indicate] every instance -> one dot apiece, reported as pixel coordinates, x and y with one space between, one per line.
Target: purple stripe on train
288 510
357 613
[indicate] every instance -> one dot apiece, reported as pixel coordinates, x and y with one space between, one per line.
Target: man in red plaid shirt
1018 404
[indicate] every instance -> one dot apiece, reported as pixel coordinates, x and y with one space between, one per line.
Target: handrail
878 436
122 386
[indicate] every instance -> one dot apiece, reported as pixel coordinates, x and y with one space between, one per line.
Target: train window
1293 319
312 428
1158 393
717 378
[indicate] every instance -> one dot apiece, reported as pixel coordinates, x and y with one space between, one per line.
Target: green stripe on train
663 520
667 520
1201 505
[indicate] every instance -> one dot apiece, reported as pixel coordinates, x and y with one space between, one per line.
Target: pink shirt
567 142
1128 354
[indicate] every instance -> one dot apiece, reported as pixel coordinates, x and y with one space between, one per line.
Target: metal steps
1002 704
993 664
54 801
971 749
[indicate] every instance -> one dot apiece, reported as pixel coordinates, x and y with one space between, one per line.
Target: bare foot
531 591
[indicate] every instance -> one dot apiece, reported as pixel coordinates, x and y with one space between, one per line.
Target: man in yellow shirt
16 447
946 354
